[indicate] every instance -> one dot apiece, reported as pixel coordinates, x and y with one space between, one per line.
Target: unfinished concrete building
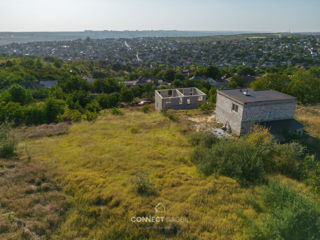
242 108
179 99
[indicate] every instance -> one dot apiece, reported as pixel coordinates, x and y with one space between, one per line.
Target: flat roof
255 96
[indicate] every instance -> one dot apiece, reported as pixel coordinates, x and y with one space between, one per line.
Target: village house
178 99
240 109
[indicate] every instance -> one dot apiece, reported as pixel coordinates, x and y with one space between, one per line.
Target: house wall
158 101
178 101
224 113
266 111
250 113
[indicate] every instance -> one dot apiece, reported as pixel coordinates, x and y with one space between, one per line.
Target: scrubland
103 173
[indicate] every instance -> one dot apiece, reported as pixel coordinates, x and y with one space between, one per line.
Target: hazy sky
213 15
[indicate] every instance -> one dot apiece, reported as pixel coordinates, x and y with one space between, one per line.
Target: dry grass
31 206
309 116
96 163
44 130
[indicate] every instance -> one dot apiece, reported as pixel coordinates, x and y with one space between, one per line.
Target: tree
73 84
245 71
53 108
213 72
108 100
275 81
236 82
126 95
305 86
19 94
169 75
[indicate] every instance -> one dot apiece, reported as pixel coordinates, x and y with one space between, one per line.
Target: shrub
53 108
232 158
116 111
143 184
108 100
171 117
287 215
93 107
205 139
91 116
291 159
146 109
135 130
206 106
71 115
34 114
8 142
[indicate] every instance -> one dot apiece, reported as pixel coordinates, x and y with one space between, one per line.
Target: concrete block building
179 99
242 108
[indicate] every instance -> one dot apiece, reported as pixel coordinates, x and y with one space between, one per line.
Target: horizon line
159 30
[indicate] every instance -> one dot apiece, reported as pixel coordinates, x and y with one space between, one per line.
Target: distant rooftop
255 96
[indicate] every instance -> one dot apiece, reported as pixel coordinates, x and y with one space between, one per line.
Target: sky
200 15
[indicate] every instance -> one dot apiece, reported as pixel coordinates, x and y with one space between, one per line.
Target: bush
205 139
232 158
91 116
53 108
135 130
143 184
35 114
206 106
247 159
116 111
146 109
71 115
171 117
108 100
8 142
287 215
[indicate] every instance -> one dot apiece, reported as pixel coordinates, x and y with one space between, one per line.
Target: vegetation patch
8 141
31 206
286 213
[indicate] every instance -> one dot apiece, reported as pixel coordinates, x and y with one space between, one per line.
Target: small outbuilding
242 108
179 99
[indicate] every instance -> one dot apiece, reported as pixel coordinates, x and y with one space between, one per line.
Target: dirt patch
203 122
44 130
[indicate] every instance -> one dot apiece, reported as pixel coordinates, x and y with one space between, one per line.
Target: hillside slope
123 169
100 165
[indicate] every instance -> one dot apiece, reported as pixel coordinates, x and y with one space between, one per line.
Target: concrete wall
250 113
184 98
224 113
158 101
267 111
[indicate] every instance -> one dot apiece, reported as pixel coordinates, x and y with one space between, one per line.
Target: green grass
98 162
122 166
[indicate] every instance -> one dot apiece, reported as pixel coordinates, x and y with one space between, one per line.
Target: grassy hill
99 164
122 166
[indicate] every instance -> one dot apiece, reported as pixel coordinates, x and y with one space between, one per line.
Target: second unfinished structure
179 99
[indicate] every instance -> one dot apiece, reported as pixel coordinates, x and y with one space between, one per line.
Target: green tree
108 100
126 95
53 108
19 94
169 75
275 81
305 86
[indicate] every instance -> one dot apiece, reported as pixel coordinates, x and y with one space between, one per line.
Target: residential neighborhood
260 51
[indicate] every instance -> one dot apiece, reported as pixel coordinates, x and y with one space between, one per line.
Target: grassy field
99 163
122 166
